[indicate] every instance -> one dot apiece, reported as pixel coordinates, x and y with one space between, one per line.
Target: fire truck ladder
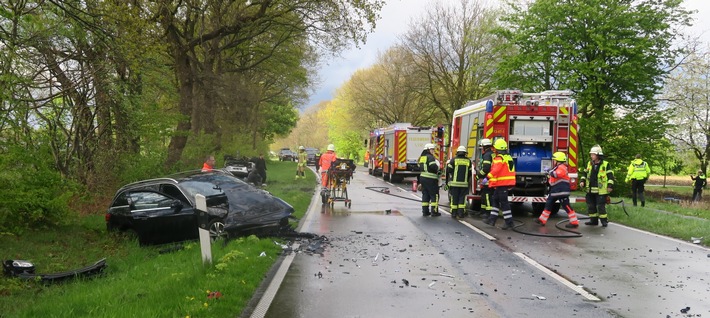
562 122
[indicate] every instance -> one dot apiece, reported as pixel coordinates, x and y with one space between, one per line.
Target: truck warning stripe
402 146
472 139
380 150
500 115
573 147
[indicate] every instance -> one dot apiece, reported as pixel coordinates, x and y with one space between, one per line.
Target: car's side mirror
176 205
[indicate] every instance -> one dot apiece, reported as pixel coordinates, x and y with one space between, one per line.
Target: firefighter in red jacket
501 179
324 163
559 190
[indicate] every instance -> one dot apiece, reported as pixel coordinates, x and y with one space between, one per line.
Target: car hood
250 206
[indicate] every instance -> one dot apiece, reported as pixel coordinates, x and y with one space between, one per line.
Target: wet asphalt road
399 263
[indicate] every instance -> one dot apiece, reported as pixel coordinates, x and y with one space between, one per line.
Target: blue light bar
489 106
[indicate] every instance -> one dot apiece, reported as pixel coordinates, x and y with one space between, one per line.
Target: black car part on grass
26 270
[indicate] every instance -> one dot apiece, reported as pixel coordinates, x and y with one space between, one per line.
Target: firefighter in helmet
302 159
428 180
501 179
559 190
482 173
598 178
458 178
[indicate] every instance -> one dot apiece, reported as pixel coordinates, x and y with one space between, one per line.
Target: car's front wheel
216 229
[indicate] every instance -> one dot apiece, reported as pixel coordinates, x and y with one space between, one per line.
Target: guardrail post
202 221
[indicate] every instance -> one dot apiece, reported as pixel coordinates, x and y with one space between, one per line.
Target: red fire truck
397 149
535 125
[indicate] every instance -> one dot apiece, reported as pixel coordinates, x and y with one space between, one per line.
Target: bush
32 193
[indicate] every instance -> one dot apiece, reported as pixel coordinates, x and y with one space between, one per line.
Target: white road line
479 231
557 277
268 297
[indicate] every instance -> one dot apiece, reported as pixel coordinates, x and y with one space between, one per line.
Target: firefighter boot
454 213
592 221
508 224
425 211
435 211
491 220
605 221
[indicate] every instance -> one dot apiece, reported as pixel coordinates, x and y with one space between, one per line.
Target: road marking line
479 231
557 277
268 297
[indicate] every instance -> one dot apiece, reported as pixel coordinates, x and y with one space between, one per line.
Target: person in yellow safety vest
428 181
482 173
302 159
699 183
638 173
559 190
501 179
458 181
601 183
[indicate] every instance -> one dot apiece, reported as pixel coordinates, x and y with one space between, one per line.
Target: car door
155 218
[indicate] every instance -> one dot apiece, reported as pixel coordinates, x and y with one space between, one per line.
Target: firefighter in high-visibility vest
501 179
458 179
638 173
600 179
302 160
482 173
699 183
428 180
559 190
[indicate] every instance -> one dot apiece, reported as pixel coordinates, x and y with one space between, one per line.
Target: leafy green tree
613 54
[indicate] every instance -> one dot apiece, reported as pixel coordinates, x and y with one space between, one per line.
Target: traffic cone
414 186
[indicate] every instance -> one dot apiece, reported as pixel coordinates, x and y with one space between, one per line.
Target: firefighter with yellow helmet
559 190
458 179
428 179
501 179
483 169
598 178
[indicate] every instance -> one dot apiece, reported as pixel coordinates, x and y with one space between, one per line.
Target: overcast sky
395 17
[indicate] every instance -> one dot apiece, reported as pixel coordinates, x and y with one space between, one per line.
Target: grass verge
143 282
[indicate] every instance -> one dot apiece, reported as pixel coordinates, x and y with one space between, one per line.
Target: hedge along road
397 263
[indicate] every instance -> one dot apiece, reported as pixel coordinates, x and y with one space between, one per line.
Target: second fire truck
395 150
535 125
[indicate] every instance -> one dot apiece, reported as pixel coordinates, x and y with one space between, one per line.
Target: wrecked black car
163 210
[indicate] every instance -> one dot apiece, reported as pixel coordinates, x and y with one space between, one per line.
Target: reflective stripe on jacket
638 170
598 181
559 181
502 171
428 166
458 171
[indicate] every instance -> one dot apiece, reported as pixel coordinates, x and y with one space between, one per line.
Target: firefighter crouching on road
699 183
302 159
601 183
559 190
638 173
482 173
428 180
458 178
324 164
501 179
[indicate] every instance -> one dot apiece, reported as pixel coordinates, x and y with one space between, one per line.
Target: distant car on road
286 154
239 167
163 210
311 156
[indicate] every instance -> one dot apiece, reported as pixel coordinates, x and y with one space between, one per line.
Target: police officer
458 178
638 173
501 179
601 183
482 173
699 183
428 179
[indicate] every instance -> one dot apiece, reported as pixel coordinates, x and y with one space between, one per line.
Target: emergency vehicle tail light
489 106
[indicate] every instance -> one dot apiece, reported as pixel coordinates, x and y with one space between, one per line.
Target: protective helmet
331 147
597 150
301 148
461 149
484 142
429 146
559 157
500 144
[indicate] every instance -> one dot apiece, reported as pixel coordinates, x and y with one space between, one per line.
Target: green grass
142 282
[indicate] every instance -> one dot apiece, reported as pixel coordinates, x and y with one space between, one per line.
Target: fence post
202 221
